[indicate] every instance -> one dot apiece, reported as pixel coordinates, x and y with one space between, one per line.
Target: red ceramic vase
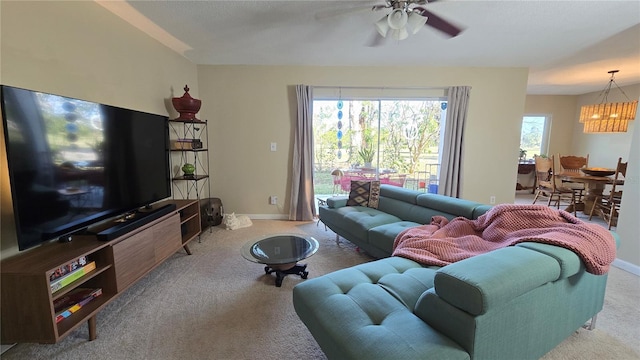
186 106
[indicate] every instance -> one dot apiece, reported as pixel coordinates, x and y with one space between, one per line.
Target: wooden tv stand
26 299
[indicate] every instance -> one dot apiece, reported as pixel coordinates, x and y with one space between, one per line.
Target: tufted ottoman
373 303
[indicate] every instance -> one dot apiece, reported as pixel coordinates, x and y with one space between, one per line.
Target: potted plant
523 154
366 154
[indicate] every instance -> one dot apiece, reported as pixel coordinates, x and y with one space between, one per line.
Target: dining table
594 186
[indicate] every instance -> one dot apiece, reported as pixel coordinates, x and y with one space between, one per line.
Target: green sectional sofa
374 230
517 302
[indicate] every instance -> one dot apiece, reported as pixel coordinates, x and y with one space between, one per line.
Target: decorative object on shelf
188 170
608 117
186 144
186 106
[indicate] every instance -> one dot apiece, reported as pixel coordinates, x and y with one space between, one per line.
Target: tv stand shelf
120 263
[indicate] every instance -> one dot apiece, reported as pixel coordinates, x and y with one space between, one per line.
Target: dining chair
573 164
609 205
547 187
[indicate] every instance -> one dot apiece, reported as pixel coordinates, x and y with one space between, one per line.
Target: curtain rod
381 88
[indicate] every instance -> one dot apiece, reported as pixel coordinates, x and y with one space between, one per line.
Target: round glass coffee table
281 253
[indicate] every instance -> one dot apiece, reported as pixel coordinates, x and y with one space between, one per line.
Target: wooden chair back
621 172
610 207
573 164
544 173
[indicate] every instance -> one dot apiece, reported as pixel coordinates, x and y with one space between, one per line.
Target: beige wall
248 107
81 50
628 224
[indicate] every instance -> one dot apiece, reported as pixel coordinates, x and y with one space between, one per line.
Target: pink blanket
444 242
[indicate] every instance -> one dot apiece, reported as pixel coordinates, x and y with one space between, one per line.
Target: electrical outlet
492 199
273 200
274 146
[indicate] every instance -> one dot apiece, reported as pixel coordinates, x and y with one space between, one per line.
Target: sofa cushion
358 219
484 281
364 193
337 201
480 209
570 263
361 313
398 193
381 236
409 286
448 205
406 211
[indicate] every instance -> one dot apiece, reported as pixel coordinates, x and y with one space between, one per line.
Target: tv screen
73 163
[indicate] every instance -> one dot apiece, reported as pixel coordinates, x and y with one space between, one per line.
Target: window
396 141
534 137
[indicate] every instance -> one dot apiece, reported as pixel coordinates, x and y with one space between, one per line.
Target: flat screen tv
74 163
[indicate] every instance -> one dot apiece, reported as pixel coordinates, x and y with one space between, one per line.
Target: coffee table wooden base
283 270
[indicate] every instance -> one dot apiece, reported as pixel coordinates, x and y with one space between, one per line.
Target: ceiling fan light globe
415 22
397 19
382 26
398 34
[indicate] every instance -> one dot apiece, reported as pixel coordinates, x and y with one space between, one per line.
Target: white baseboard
627 266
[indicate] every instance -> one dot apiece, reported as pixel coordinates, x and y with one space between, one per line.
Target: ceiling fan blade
439 23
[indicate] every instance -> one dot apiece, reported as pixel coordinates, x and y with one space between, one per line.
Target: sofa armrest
489 280
337 201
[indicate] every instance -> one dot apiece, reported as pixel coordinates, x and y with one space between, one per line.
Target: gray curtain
302 206
451 169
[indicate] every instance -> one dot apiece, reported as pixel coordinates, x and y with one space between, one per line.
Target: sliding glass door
395 141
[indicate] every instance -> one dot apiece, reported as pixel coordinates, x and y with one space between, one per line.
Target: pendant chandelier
608 117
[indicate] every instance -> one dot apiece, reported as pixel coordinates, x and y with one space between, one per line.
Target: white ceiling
568 45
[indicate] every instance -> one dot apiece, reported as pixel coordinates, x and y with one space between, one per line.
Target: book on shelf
72 276
74 301
68 267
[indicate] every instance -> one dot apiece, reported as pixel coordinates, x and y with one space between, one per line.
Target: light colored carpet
216 305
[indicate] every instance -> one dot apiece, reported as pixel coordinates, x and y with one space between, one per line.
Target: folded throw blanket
443 242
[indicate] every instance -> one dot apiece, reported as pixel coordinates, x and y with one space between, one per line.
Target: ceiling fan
405 16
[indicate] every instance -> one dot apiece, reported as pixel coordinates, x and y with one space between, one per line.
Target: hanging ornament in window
71 127
443 105
339 105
